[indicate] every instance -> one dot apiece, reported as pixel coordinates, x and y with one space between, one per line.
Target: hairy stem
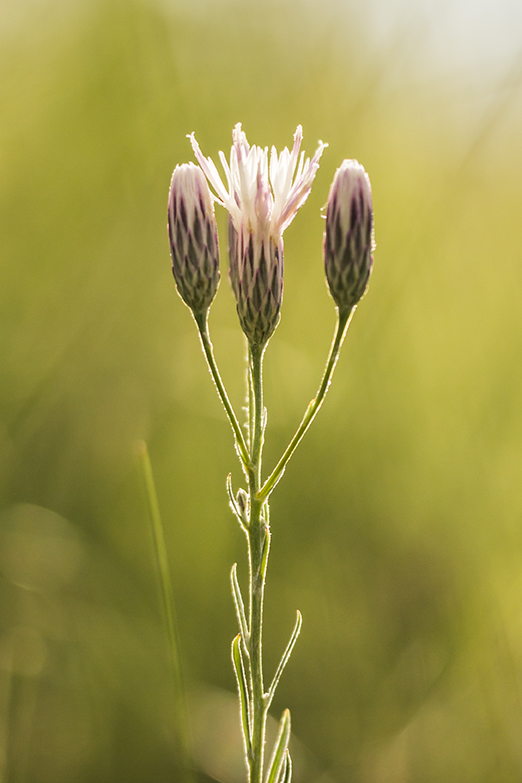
258 549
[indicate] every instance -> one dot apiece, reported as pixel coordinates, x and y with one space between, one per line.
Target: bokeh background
397 530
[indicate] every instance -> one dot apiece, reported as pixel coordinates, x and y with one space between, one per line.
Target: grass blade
167 602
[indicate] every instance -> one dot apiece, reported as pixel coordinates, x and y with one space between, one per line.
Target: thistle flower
348 240
193 238
262 199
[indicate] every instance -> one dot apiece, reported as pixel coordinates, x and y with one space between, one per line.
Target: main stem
258 548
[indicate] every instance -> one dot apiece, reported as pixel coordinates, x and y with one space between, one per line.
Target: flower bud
348 239
193 238
256 275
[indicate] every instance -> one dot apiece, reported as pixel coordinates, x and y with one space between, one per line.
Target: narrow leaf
231 498
284 660
284 767
240 607
266 542
279 757
287 776
239 512
244 702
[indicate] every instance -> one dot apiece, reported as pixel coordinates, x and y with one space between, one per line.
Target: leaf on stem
266 542
240 607
238 504
232 500
279 757
286 777
284 660
244 700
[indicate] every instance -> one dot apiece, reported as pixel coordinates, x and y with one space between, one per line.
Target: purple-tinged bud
193 238
256 275
349 238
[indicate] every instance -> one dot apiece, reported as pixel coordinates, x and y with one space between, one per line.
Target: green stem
202 324
167 602
250 399
256 370
343 321
258 549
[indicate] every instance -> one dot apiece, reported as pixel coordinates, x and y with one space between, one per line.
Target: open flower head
193 238
262 196
349 238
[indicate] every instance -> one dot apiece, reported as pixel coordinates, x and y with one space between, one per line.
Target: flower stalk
206 344
343 322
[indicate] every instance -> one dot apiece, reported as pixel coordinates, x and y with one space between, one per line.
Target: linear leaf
244 701
282 771
231 498
286 777
284 660
240 607
278 759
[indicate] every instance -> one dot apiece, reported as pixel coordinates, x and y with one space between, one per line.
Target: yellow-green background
397 529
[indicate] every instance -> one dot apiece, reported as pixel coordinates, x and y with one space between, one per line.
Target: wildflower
348 240
262 199
193 238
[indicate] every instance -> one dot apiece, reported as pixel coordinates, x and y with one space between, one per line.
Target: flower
193 238
349 238
262 199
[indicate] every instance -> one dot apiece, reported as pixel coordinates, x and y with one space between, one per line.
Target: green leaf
240 607
286 777
284 660
279 756
232 500
244 700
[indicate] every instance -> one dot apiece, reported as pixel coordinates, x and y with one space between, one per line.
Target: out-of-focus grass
397 530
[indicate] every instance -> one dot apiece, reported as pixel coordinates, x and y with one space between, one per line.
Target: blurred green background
397 530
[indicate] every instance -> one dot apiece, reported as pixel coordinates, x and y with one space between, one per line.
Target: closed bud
193 238
349 239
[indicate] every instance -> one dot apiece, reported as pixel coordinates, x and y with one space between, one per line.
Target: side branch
343 321
206 344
